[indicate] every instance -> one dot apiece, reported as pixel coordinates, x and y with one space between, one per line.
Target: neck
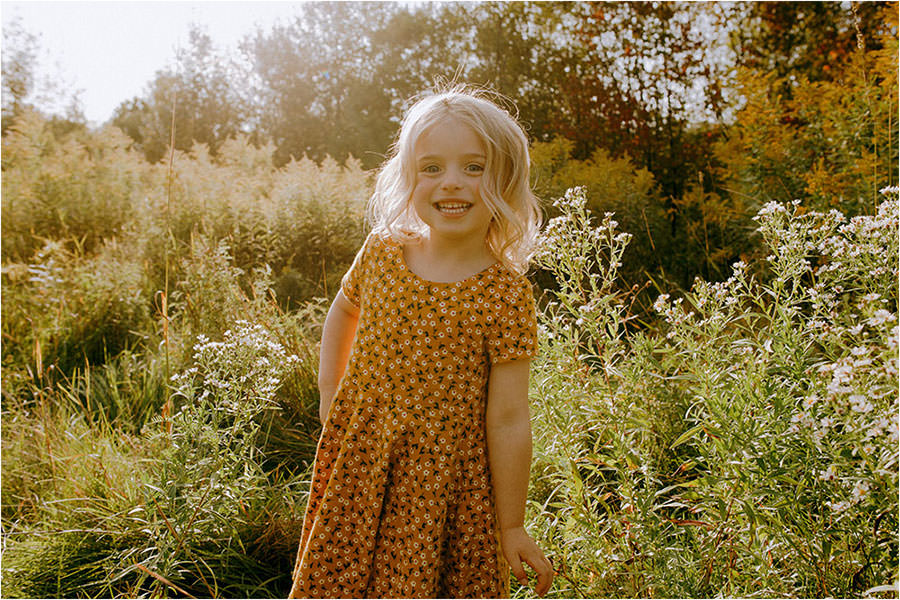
447 260
466 250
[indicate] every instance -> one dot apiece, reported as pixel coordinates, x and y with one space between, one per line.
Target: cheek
423 187
479 185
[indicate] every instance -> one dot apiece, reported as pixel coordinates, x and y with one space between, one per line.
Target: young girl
422 469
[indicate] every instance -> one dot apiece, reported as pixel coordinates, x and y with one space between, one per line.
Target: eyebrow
436 156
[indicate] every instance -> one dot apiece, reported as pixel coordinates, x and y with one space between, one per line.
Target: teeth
453 208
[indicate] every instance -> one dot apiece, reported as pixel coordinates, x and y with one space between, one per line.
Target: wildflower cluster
46 274
712 305
232 382
244 371
757 423
584 261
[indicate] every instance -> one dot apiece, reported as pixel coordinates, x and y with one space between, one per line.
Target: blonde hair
505 188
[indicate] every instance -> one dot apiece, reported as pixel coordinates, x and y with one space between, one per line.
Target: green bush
613 185
191 506
748 448
303 220
64 310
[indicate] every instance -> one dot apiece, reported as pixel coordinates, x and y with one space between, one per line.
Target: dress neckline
464 280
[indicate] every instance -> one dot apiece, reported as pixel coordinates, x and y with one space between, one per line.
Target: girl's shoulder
376 242
380 239
508 286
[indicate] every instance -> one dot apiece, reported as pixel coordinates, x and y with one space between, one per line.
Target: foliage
187 507
749 447
304 221
21 53
63 310
83 187
742 442
613 186
335 79
814 40
826 141
702 234
141 512
201 89
24 90
109 282
646 72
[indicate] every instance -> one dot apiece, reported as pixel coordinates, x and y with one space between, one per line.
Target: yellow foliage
613 184
831 144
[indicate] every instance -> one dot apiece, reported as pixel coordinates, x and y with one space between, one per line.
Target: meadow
714 404
160 328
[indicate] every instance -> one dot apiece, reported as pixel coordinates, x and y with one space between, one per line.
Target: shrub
64 310
613 185
189 508
827 142
82 188
747 448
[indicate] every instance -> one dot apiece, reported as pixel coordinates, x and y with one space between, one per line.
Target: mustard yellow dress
401 503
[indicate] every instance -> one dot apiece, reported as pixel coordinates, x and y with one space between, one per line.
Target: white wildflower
829 474
860 403
770 208
880 317
856 329
661 303
842 373
860 490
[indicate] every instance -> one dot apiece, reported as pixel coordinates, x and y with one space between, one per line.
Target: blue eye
430 169
475 168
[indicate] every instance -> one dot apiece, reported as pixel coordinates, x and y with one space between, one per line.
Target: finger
518 571
544 571
545 580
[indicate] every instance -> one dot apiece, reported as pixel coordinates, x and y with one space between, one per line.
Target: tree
647 75
20 55
518 49
831 141
333 81
809 39
203 89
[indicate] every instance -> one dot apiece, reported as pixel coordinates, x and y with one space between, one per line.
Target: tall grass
209 506
104 493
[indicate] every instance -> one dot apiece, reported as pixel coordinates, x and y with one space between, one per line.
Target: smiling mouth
452 207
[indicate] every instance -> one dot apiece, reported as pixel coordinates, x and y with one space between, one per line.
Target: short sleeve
514 332
350 283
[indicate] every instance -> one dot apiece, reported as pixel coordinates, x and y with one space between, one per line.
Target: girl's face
450 160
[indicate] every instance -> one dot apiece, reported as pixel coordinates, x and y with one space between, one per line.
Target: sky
109 51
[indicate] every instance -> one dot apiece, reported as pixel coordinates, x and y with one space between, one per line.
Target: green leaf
687 435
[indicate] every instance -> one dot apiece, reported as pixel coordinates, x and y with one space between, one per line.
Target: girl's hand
518 547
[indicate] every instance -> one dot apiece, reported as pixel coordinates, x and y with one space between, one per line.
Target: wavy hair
505 188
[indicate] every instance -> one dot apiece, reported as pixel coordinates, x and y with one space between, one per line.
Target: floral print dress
401 501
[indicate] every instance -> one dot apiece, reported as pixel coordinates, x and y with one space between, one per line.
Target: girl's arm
337 339
509 450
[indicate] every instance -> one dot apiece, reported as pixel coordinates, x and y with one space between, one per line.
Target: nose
451 179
